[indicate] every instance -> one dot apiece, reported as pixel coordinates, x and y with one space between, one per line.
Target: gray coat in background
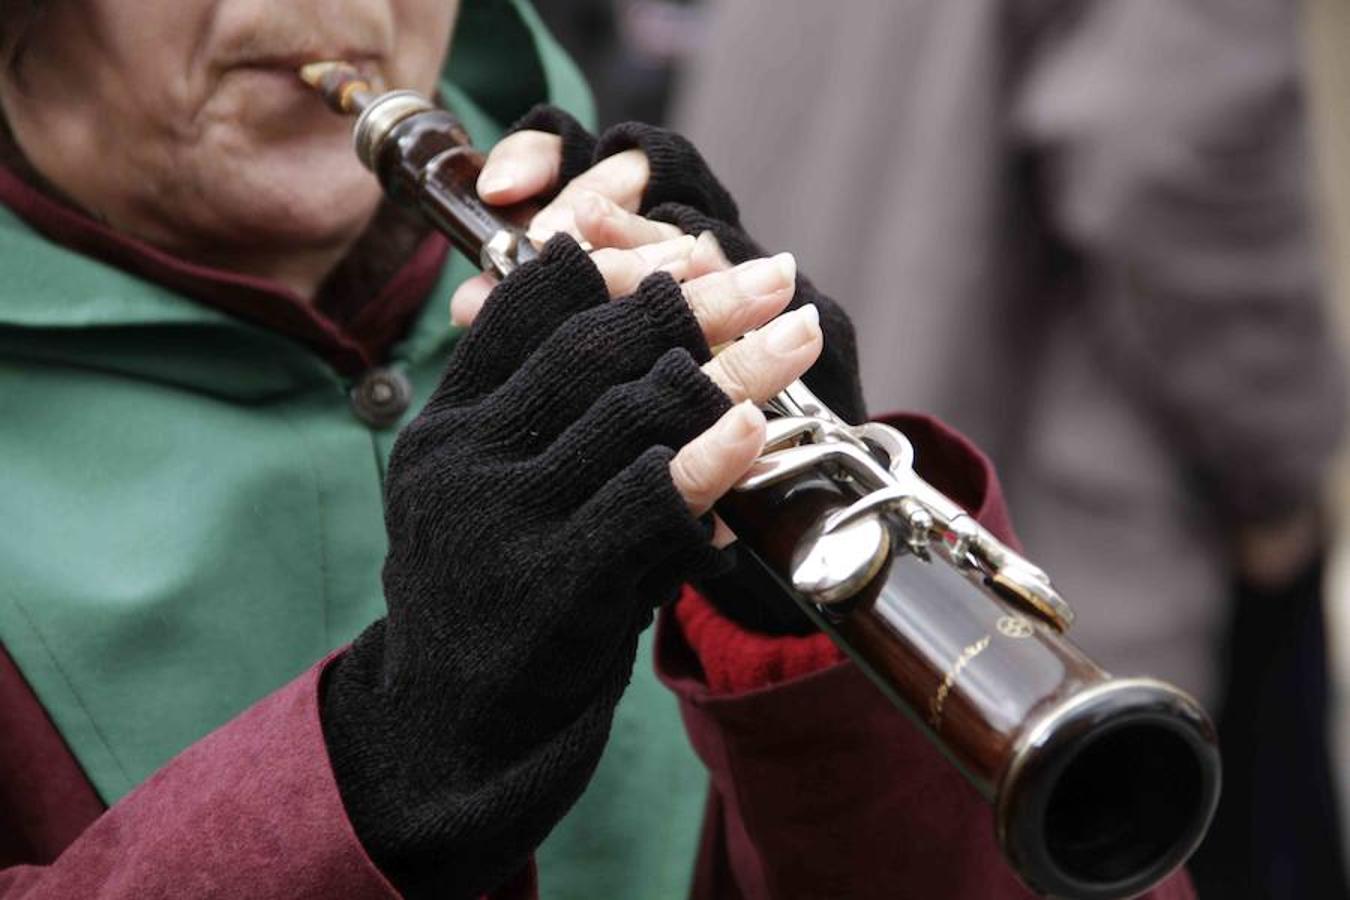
1082 233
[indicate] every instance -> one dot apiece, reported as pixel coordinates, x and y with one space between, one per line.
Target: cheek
423 29
245 181
301 194
68 144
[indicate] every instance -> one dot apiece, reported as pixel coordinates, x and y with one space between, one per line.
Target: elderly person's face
182 122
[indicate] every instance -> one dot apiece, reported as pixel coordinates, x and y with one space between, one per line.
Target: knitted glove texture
532 526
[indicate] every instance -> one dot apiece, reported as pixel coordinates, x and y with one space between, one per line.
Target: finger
468 299
723 536
769 359
604 223
621 179
623 270
709 465
729 302
668 406
593 350
522 313
680 175
641 512
726 304
522 165
708 256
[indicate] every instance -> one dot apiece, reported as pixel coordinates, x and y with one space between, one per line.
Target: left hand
639 185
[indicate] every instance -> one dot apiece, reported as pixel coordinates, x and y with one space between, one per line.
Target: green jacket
193 513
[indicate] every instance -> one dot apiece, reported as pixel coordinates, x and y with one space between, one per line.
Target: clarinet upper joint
849 547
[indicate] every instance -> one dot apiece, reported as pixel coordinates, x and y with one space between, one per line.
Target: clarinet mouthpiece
342 85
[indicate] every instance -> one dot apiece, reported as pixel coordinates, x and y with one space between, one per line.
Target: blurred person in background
1083 233
631 50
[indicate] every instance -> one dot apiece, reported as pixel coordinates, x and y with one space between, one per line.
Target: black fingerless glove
532 526
683 191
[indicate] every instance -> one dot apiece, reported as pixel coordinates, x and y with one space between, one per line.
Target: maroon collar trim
351 349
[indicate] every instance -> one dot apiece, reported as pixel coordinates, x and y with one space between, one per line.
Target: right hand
537 508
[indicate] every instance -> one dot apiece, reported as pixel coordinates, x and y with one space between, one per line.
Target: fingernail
789 333
742 422
761 276
496 180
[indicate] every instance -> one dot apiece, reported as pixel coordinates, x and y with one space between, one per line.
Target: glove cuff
735 661
678 172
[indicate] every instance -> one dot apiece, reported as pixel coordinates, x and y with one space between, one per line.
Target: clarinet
1100 786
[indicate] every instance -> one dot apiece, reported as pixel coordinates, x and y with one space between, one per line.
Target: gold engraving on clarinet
1014 627
935 706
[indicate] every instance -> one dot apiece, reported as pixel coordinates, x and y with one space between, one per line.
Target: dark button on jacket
381 397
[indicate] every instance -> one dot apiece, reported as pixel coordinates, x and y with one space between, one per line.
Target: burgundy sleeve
819 787
251 810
